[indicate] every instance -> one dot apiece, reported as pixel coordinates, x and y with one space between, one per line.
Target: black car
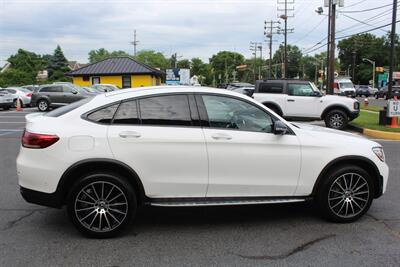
56 95
363 90
383 92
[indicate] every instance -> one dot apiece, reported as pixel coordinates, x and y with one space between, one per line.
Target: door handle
290 100
219 136
129 134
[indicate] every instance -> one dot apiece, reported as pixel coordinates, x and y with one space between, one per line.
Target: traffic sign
393 108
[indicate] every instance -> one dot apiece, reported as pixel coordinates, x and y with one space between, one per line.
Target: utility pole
354 66
392 49
270 26
134 43
332 44
285 17
259 67
254 48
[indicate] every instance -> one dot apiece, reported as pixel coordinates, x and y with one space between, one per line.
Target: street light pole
373 70
392 49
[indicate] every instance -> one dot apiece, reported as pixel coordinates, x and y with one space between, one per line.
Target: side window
67 89
12 91
230 113
127 113
51 89
103 115
272 88
165 110
300 89
126 81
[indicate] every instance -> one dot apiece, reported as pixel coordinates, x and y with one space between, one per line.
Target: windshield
65 109
346 85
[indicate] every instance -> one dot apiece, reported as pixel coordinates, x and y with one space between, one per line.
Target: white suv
301 100
189 146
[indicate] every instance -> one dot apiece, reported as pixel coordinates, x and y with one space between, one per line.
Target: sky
191 28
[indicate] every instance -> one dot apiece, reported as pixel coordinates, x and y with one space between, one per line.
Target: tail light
34 140
29 94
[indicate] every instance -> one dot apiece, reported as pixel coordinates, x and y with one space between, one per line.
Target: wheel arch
99 164
335 106
359 161
273 105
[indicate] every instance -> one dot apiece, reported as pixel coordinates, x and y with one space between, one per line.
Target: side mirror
316 93
74 92
280 128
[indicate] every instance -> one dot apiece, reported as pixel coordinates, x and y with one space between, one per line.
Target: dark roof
116 65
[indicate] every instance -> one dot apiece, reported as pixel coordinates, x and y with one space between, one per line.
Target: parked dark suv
56 95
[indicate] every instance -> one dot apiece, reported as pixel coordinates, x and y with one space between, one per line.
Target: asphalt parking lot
284 235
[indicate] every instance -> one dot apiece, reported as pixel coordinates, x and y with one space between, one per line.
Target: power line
364 10
362 1
308 33
362 22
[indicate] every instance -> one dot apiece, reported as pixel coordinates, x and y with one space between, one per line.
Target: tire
43 105
97 213
274 109
336 119
348 205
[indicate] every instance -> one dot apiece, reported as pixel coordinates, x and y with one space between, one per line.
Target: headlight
379 153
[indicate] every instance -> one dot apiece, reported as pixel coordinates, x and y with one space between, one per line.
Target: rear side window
104 115
165 110
272 88
51 89
127 113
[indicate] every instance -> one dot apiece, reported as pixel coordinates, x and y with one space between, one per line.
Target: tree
153 59
361 46
224 65
58 66
184 64
15 77
294 56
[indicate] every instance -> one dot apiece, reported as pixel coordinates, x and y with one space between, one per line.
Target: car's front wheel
101 205
43 105
336 119
346 194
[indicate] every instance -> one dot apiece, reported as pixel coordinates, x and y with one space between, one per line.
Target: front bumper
354 114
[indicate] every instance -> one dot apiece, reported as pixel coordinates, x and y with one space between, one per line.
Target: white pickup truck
301 100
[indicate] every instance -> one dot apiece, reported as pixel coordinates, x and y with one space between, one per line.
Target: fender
275 105
335 106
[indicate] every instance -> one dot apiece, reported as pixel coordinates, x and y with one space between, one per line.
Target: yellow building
124 72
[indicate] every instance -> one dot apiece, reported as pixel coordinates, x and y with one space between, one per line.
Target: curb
375 133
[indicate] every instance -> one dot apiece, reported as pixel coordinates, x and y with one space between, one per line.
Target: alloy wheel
336 121
43 105
101 206
348 195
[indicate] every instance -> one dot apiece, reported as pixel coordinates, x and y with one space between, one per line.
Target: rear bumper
44 199
6 105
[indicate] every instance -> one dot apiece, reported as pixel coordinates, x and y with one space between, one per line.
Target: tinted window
126 81
65 109
51 89
272 88
12 91
165 110
300 89
127 113
230 113
103 115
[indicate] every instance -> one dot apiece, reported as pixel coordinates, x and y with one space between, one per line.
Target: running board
192 202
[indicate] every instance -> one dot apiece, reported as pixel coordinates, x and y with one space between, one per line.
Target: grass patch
372 108
370 120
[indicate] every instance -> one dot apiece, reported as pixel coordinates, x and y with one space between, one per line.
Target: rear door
54 93
69 96
160 138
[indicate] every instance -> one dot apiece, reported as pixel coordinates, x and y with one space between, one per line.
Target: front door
245 157
301 102
158 139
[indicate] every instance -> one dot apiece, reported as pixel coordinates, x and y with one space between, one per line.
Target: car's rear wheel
101 205
346 194
43 105
336 119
